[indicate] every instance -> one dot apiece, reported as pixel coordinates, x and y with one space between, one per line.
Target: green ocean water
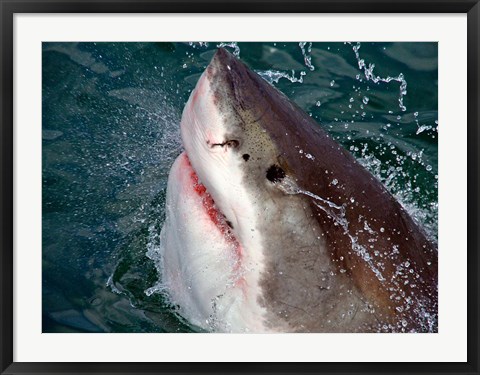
110 132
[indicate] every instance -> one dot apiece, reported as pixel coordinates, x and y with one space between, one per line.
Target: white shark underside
203 266
257 237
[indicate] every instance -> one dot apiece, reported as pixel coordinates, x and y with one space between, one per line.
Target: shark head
221 133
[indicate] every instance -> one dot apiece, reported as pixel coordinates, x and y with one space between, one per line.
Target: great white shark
272 226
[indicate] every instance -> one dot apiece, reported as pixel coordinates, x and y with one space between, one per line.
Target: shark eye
275 173
233 143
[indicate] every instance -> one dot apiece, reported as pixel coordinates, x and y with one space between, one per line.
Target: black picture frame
9 7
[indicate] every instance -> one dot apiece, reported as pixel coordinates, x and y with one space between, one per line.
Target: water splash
404 193
273 76
424 127
154 252
110 284
198 44
370 76
306 54
234 45
158 288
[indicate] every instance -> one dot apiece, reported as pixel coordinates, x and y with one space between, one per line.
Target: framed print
244 187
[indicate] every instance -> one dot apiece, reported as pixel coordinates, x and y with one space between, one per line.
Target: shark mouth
203 265
211 211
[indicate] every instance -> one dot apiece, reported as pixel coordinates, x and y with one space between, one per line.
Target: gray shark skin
339 253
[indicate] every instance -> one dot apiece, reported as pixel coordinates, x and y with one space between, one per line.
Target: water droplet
318 104
428 168
365 100
332 82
